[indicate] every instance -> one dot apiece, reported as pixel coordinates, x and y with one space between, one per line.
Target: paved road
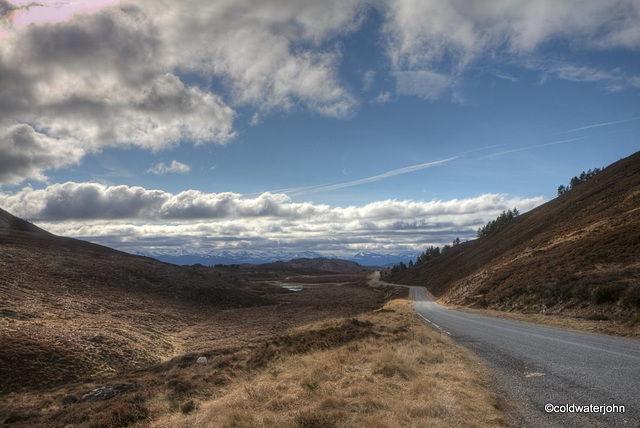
535 365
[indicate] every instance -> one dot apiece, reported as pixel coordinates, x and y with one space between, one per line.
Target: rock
106 392
202 361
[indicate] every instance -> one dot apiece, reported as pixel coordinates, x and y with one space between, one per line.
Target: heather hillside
578 254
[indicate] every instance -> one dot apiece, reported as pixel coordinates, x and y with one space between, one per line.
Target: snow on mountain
367 258
185 257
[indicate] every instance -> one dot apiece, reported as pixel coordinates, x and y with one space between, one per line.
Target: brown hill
578 254
315 266
73 310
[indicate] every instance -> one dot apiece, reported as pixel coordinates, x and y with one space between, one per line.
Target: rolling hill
578 254
74 310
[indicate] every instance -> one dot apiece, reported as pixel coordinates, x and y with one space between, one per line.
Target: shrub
120 415
632 296
606 293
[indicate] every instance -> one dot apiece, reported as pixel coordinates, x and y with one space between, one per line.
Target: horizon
333 128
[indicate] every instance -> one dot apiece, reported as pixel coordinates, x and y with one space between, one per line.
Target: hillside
93 337
578 254
316 266
70 309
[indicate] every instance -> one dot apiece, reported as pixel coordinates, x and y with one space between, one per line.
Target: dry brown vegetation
70 310
73 313
381 369
577 256
94 338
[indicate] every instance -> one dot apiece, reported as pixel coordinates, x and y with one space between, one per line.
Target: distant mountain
316 266
186 257
367 258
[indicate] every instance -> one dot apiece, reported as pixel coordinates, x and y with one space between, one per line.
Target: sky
337 126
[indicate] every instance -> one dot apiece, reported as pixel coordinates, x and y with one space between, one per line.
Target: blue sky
333 126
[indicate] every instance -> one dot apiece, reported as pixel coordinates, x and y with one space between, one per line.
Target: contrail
296 191
393 172
493 155
597 125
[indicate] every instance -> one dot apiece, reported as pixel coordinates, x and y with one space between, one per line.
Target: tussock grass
381 369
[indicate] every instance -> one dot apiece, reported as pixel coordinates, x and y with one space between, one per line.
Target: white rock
201 360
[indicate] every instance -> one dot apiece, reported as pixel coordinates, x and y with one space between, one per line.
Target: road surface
535 366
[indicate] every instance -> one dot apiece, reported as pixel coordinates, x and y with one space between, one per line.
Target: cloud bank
134 218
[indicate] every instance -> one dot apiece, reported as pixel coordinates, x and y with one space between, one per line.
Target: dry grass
233 340
382 369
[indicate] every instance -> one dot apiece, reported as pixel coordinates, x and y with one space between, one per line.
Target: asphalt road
536 365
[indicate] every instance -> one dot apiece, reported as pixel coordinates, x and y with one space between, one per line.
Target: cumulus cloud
112 78
271 53
135 218
92 82
175 167
24 152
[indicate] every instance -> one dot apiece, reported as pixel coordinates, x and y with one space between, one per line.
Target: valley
95 337
92 337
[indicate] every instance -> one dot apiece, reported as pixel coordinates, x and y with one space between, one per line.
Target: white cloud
269 53
614 80
175 168
95 81
443 37
112 78
24 152
367 79
115 77
424 84
382 98
134 218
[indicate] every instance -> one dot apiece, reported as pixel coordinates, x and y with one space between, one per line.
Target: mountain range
210 258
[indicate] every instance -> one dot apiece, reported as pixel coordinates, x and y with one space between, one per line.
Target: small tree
500 222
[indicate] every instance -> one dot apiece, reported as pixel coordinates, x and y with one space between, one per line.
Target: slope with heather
73 310
578 255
